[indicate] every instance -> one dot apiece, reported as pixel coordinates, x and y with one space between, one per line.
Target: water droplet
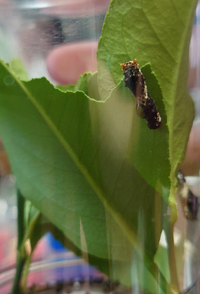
9 80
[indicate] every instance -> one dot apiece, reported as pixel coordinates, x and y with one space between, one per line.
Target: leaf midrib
95 187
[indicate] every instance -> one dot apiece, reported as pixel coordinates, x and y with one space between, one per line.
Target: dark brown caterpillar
135 81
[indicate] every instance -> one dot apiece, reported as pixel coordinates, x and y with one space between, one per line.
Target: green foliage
99 176
157 32
57 149
18 68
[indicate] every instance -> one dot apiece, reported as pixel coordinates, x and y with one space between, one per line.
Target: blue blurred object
70 266
55 244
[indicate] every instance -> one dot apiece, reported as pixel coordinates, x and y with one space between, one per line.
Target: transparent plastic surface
36 27
37 33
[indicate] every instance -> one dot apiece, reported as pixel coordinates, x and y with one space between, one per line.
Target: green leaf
157 32
65 88
72 155
19 69
73 159
82 84
83 81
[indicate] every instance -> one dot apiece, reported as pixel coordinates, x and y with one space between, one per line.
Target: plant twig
19 268
21 253
28 235
170 241
172 259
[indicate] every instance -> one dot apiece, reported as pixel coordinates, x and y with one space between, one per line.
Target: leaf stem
172 259
19 268
20 218
21 253
170 241
30 228
27 236
25 272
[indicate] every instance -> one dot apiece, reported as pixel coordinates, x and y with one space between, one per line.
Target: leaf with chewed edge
157 32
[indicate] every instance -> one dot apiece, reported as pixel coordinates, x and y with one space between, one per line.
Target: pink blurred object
8 244
66 63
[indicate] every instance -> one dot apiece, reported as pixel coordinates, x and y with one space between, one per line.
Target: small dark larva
188 199
135 81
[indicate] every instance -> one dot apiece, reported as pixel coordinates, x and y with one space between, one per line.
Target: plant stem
28 234
19 268
25 272
170 240
172 259
20 218
21 253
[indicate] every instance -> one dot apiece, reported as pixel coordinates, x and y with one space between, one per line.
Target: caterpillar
188 199
135 81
